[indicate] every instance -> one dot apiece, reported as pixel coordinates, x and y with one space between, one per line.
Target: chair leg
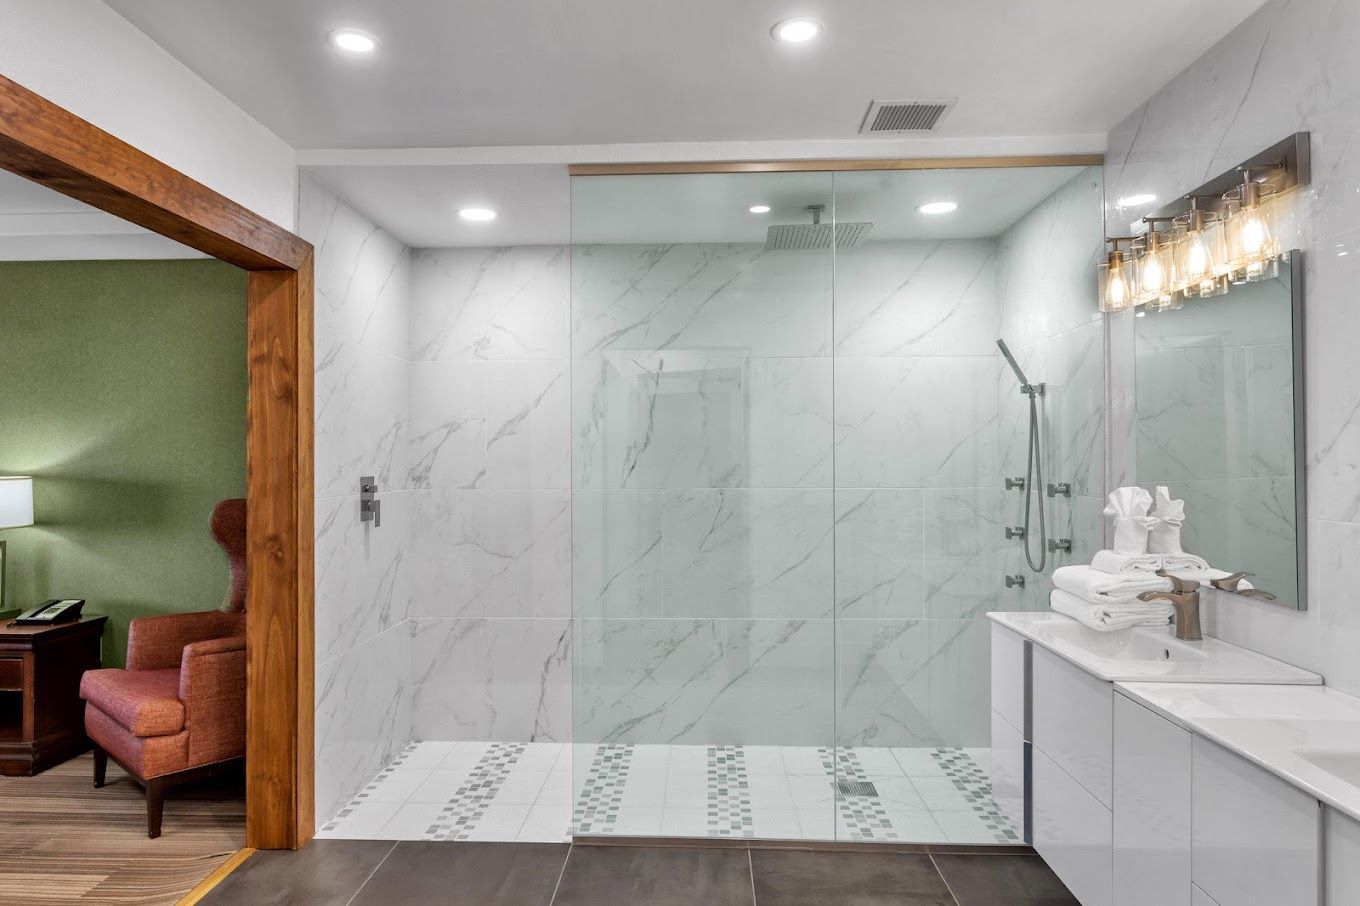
155 803
101 766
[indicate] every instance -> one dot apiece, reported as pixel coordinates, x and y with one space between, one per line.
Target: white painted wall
84 56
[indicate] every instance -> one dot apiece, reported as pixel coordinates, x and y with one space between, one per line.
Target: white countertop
1286 730
1150 654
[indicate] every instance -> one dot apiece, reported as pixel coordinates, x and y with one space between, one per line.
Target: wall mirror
1220 422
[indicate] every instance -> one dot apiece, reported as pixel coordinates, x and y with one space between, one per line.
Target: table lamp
16 509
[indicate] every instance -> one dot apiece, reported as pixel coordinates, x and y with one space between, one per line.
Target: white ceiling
541 205
40 224
542 72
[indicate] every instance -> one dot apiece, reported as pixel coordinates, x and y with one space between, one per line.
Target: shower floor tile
545 792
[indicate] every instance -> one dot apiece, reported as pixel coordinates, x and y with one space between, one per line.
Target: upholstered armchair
177 712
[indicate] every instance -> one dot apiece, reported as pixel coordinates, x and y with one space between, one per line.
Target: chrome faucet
1184 598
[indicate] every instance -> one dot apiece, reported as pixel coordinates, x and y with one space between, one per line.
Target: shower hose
1034 469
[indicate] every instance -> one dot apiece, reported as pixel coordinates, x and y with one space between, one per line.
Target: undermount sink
1150 654
1343 764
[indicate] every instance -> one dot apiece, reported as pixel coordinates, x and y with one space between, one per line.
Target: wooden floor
62 841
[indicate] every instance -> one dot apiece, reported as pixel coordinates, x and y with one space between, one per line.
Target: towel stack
1104 595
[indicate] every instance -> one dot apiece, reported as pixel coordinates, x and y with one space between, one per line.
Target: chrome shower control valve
1015 484
1060 490
1015 581
1060 544
1014 532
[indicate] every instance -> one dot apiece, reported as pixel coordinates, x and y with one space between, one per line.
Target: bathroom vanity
1150 771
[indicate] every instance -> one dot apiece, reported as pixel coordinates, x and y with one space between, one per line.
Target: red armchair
177 713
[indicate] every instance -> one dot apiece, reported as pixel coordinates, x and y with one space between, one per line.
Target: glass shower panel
702 505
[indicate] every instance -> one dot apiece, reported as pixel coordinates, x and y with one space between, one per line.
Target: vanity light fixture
1252 250
477 215
938 207
796 31
1155 266
1116 290
759 209
353 41
1200 254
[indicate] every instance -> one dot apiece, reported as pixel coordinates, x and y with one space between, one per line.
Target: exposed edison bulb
1254 235
1151 273
1117 291
1198 261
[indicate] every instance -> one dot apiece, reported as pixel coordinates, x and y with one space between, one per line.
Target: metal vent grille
856 788
904 116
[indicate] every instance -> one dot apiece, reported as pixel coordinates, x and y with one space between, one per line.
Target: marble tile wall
490 469
1290 66
363 578
1050 319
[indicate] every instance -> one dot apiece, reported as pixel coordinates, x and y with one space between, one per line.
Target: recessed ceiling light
1136 201
796 31
937 207
351 40
759 209
480 215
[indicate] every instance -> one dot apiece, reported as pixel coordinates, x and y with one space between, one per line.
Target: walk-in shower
1033 481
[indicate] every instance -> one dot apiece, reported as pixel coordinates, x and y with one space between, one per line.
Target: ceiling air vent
904 116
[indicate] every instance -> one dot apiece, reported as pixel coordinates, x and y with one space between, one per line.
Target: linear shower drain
856 788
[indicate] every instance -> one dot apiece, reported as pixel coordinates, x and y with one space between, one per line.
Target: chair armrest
156 643
212 686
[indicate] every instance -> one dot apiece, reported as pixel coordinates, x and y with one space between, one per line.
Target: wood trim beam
814 166
52 146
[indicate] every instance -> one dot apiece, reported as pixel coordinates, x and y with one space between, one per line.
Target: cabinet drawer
1256 838
11 673
1072 718
1072 831
1342 845
1151 808
1008 676
1008 771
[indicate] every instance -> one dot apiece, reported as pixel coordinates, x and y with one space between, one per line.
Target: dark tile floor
381 873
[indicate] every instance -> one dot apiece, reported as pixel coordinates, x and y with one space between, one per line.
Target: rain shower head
816 235
1015 366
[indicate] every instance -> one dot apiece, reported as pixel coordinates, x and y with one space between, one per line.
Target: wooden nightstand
41 715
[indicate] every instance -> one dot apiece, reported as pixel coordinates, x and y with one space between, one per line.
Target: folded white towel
1117 563
1164 536
1129 507
1110 616
1098 587
1177 563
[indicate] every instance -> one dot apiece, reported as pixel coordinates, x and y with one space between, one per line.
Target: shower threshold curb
854 846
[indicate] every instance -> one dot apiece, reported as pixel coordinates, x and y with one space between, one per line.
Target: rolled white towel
1098 587
1129 507
1164 535
1122 564
1176 563
1108 617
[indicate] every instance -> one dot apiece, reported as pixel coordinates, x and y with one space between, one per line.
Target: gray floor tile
322 872
657 877
797 878
1003 881
466 874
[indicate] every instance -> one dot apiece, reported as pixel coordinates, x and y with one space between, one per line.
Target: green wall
123 393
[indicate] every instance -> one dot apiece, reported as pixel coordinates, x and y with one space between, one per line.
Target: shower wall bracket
1063 489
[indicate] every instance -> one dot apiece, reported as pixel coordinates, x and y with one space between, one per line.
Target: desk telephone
57 610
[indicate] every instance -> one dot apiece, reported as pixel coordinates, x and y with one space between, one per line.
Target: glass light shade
1116 283
1155 270
1251 237
16 501
1200 258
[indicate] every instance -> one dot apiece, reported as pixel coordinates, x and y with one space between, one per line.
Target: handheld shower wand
1034 479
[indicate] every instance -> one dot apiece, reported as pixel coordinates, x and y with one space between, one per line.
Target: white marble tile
362 417
399 785
734 681
700 296
362 273
439 786
1335 571
411 821
426 754
363 573
880 551
761 552
491 679
916 422
448 425
489 304
776 824
365 822
491 553
917 298
546 823
363 716
528 425
521 787
463 756
692 418
500 822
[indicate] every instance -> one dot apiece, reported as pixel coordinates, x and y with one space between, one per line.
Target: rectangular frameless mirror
1220 423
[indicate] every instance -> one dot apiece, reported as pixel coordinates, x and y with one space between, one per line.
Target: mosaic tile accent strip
864 816
597 808
973 782
470 802
369 789
729 793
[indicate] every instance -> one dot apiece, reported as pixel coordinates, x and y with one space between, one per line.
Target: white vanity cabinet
1341 841
1152 790
1257 841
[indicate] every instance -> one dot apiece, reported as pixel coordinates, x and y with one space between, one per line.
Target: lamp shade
16 501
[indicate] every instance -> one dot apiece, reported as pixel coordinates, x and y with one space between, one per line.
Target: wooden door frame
47 144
